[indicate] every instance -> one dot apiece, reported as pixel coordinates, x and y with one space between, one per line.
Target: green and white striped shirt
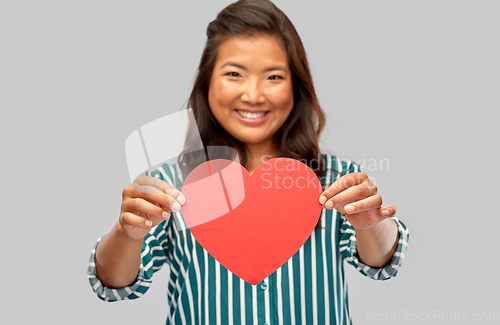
309 288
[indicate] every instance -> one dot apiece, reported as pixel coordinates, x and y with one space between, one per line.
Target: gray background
414 83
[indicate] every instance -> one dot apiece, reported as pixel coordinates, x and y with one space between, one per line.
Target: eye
233 74
275 77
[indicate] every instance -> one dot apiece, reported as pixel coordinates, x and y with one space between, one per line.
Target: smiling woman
251 93
254 62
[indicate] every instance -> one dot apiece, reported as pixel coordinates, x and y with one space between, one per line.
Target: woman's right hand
146 203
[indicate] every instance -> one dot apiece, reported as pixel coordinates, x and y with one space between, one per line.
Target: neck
259 153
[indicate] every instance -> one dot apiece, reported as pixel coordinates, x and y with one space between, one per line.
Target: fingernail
165 215
329 205
176 207
349 208
386 212
148 223
322 199
181 199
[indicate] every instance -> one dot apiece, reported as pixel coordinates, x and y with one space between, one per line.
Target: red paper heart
253 229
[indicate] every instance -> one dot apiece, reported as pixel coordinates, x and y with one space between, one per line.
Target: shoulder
336 167
344 166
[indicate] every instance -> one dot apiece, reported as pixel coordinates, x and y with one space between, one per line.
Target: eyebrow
232 64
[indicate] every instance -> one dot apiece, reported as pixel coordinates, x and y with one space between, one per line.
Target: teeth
252 115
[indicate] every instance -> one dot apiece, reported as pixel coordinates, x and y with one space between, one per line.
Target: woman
254 93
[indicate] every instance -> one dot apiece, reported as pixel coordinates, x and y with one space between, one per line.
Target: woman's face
251 93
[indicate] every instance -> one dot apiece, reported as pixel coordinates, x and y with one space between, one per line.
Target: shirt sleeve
156 248
153 256
349 251
348 247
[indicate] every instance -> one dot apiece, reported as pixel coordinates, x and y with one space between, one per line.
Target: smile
251 115
251 118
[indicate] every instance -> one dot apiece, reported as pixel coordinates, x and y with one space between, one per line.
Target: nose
253 93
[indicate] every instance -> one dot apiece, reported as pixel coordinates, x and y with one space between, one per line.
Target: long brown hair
298 137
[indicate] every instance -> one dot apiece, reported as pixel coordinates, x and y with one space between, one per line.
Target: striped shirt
309 288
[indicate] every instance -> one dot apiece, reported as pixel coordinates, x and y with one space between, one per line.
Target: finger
166 202
342 184
369 203
156 220
168 197
153 185
365 219
388 211
352 194
147 208
133 220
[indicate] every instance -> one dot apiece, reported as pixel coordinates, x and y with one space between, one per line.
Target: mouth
251 114
252 118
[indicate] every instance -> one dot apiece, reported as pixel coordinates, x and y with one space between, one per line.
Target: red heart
253 229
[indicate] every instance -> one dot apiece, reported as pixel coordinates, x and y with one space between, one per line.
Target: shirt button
263 286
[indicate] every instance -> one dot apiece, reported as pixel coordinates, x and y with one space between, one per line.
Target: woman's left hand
355 196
